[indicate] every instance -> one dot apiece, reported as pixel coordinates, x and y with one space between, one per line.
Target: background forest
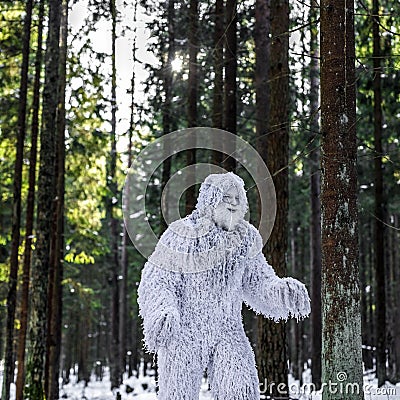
87 84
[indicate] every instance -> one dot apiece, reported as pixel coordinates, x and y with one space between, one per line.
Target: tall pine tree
16 218
341 319
272 336
46 194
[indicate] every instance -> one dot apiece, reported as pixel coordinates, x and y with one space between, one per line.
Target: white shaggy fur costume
191 295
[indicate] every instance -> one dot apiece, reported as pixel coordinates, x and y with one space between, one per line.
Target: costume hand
167 326
297 298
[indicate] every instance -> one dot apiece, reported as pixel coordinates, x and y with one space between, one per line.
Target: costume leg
179 372
232 370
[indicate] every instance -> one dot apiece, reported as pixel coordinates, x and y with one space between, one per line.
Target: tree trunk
371 304
390 304
367 353
218 90
139 349
82 351
303 353
272 336
16 217
134 343
167 112
262 48
315 223
57 256
293 326
192 104
396 300
68 354
379 206
230 119
341 319
46 192
30 211
124 315
123 306
115 361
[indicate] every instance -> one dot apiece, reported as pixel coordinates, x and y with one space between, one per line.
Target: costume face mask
229 211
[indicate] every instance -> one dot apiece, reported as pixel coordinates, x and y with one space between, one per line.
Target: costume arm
274 297
158 305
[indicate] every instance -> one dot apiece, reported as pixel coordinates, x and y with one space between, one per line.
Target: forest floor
143 388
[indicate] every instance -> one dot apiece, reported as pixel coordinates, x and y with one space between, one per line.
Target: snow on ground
143 388
371 390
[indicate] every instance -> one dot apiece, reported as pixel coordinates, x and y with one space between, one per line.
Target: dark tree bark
192 102
138 350
168 125
395 351
297 344
303 352
262 48
371 297
123 314
341 319
124 299
46 193
115 361
315 223
57 248
379 204
218 90
293 327
16 217
230 118
68 344
133 341
82 349
272 336
30 211
391 294
366 341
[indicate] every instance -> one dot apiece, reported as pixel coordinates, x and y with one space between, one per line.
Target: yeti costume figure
191 293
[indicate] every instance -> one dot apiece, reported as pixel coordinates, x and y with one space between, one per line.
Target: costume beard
227 216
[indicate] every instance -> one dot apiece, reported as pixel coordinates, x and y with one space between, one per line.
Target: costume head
222 198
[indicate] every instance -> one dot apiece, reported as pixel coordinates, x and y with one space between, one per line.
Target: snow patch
344 119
